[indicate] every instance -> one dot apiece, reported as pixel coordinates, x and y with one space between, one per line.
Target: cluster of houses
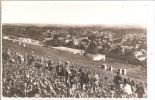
22 40
130 47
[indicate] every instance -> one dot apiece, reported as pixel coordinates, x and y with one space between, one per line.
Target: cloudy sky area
77 13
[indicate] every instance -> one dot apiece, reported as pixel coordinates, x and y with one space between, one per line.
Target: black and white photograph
62 49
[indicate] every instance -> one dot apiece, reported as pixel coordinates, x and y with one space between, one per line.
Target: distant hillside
35 30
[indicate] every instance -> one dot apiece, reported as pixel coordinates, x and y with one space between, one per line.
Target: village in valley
88 49
127 44
34 52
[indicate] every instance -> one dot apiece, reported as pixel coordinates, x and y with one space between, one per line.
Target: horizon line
80 25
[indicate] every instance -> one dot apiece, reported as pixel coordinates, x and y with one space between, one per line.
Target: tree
92 48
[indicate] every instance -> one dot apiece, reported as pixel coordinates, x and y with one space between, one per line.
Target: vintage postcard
65 49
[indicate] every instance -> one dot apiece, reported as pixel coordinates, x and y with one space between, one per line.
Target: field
81 61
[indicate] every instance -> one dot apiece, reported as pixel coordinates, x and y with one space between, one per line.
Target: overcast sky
83 13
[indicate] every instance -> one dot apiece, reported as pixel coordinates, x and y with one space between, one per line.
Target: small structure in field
104 66
124 72
110 68
120 71
95 57
24 45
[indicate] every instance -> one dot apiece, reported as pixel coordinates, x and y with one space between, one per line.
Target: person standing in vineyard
140 90
59 69
118 81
